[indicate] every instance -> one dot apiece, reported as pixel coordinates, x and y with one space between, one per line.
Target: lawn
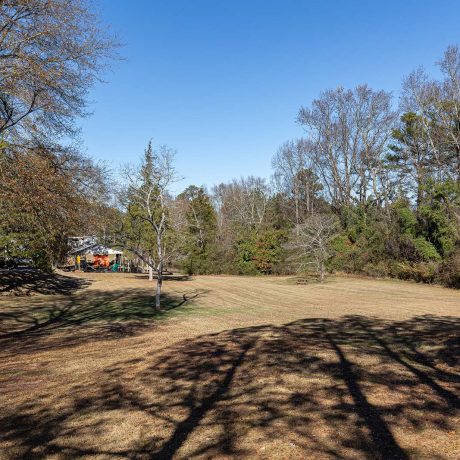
234 367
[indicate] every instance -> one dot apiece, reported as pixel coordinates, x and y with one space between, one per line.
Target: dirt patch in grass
233 368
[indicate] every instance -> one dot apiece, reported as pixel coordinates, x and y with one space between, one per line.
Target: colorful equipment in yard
93 254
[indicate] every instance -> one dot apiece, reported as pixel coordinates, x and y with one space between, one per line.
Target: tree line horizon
371 188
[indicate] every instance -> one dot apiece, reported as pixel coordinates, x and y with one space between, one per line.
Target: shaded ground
236 368
26 281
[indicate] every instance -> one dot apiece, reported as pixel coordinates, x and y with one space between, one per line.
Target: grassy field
232 368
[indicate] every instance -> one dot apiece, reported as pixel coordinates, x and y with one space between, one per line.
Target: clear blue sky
222 81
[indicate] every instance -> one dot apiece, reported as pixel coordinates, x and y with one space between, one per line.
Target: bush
344 257
449 273
407 221
378 270
425 250
422 272
260 253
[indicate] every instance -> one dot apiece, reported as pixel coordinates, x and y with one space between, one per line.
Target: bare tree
295 176
242 202
147 203
449 108
311 242
51 51
350 129
419 96
437 104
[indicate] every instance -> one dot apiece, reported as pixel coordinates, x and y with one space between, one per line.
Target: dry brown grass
235 368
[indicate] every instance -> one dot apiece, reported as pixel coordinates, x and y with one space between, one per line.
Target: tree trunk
150 269
159 271
321 272
159 283
297 214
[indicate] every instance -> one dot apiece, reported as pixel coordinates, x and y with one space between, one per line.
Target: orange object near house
101 260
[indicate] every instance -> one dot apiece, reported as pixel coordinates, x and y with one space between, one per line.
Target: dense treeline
373 186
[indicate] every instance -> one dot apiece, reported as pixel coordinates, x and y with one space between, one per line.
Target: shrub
379 269
449 273
425 250
422 272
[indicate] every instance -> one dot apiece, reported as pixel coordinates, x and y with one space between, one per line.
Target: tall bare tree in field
147 202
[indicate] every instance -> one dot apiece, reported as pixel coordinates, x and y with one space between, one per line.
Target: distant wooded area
372 188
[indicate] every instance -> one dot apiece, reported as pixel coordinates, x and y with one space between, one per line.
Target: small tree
146 200
311 242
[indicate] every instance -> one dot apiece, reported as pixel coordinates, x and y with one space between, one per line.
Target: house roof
94 249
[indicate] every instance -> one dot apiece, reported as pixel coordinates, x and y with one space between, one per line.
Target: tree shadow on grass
355 387
90 315
31 281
